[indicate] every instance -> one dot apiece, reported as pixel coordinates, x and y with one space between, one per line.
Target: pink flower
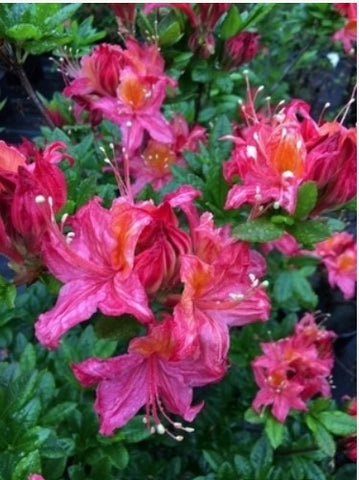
286 244
35 476
147 377
348 34
154 165
276 153
276 390
294 369
339 255
331 163
127 86
221 289
95 263
23 178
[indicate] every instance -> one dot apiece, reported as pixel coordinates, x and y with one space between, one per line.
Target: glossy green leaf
306 200
259 230
231 24
274 431
338 423
31 463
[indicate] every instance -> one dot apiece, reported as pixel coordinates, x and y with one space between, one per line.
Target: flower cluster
25 174
278 151
294 369
128 87
339 255
126 259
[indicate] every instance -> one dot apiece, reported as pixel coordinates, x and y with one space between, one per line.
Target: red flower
240 49
339 255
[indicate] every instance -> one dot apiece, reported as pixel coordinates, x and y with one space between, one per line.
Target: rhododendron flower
331 163
339 255
35 476
241 48
147 376
221 289
348 34
96 266
128 87
22 179
274 155
154 165
294 369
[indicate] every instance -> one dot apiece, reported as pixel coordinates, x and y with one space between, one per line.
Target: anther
40 199
160 429
179 438
276 205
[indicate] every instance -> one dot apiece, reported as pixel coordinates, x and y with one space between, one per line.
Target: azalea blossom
339 255
277 153
348 34
147 376
127 86
25 174
294 369
95 262
153 166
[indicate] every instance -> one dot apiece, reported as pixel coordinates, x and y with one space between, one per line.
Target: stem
19 70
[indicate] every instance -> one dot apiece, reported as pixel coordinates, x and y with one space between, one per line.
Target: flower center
286 153
158 156
133 92
346 263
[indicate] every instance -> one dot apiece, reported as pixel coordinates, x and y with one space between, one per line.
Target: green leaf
307 199
311 232
29 414
58 413
251 416
321 435
346 472
28 358
312 471
303 291
261 456
259 230
118 456
7 293
274 431
243 467
338 423
282 288
122 328
169 31
56 448
24 31
213 459
33 438
135 431
31 463
231 24
201 72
